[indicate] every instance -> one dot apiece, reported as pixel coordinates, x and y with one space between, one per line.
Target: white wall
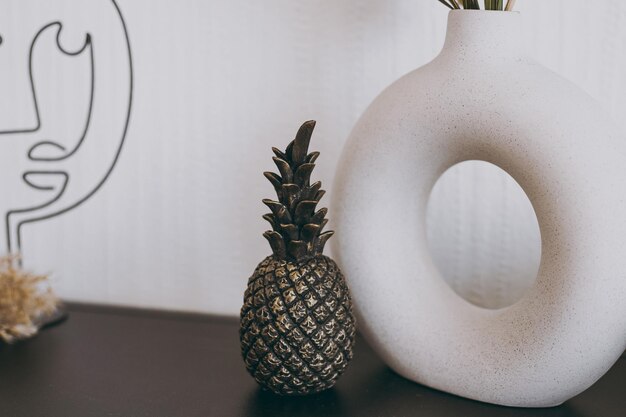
217 83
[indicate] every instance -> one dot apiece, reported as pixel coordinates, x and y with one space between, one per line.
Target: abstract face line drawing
87 45
55 164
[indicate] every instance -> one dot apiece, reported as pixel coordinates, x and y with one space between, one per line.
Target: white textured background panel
217 83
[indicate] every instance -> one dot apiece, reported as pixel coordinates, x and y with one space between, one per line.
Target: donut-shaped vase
483 99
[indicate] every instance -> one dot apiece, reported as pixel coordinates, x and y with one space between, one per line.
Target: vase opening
483 234
484 36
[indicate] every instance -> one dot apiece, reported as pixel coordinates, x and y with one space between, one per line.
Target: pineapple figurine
297 326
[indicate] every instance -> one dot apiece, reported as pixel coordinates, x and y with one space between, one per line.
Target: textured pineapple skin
297 326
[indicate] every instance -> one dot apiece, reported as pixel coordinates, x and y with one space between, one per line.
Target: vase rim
507 12
487 37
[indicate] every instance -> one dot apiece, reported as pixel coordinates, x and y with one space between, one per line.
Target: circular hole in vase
483 234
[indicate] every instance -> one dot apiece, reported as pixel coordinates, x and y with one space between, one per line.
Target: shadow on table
384 393
266 404
385 390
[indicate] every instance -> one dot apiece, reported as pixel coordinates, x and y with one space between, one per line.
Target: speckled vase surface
482 98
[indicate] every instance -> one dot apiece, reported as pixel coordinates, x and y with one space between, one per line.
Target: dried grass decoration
26 300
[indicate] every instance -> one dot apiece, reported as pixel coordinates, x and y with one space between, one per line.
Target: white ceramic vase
482 98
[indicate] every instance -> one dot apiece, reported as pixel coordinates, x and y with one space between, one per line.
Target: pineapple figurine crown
296 225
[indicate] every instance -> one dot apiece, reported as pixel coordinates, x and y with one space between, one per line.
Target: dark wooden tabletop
129 363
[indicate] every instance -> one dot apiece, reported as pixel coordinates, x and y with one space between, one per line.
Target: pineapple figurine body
297 327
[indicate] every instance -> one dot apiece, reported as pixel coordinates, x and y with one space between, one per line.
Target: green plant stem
475 5
494 4
509 5
471 4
